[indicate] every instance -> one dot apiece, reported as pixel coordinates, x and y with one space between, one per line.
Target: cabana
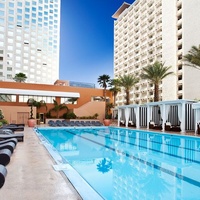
165 111
129 115
178 113
196 108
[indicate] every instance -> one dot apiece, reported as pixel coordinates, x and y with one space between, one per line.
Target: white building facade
30 40
157 30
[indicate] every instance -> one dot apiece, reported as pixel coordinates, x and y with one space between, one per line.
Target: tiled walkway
31 175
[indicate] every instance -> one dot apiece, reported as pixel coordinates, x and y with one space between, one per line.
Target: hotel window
19 17
11 5
33 8
11 12
27 16
19 10
40 8
26 22
34 15
11 19
2 5
33 21
27 3
9 76
34 3
27 10
9 68
1 13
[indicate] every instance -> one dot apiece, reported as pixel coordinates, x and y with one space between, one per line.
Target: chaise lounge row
73 123
8 143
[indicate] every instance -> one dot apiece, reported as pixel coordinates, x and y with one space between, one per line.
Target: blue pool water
124 164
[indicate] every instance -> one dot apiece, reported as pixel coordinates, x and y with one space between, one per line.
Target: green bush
70 115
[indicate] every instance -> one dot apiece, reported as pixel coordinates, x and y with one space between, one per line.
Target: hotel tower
29 40
157 30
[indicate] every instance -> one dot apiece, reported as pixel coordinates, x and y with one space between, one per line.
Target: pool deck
30 174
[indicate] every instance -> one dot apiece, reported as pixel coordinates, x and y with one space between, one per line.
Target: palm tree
104 81
155 73
128 81
58 107
20 77
193 57
115 84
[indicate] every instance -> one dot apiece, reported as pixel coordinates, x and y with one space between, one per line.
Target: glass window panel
19 10
27 3
19 4
27 10
11 12
27 16
1 13
11 19
11 5
2 5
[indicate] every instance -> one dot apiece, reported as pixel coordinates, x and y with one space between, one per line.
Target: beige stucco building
149 31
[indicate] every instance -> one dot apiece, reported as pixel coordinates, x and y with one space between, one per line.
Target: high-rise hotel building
157 30
30 39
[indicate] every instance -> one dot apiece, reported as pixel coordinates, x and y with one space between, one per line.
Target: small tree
193 57
115 88
127 82
155 73
20 77
104 81
58 107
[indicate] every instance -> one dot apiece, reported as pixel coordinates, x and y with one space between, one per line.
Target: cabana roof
172 102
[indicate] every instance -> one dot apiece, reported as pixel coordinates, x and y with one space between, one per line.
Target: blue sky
86 39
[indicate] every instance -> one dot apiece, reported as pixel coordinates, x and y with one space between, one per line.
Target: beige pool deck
31 176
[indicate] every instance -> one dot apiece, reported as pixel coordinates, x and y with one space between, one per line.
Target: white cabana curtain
119 115
150 113
127 115
180 112
136 111
162 111
167 109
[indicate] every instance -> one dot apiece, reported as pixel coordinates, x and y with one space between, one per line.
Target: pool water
123 164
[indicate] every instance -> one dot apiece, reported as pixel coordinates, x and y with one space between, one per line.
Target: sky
86 39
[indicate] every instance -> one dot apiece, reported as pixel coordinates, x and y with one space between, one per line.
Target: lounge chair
198 128
122 123
5 155
152 125
14 140
8 145
3 173
13 127
170 127
18 136
131 124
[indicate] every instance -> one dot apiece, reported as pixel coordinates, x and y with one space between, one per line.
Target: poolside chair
8 145
122 123
5 155
198 128
170 127
152 125
13 127
18 136
14 140
131 124
3 173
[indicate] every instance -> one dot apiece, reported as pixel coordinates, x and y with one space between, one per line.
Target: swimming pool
120 163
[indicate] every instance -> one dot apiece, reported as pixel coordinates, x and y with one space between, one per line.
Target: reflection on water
127 164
